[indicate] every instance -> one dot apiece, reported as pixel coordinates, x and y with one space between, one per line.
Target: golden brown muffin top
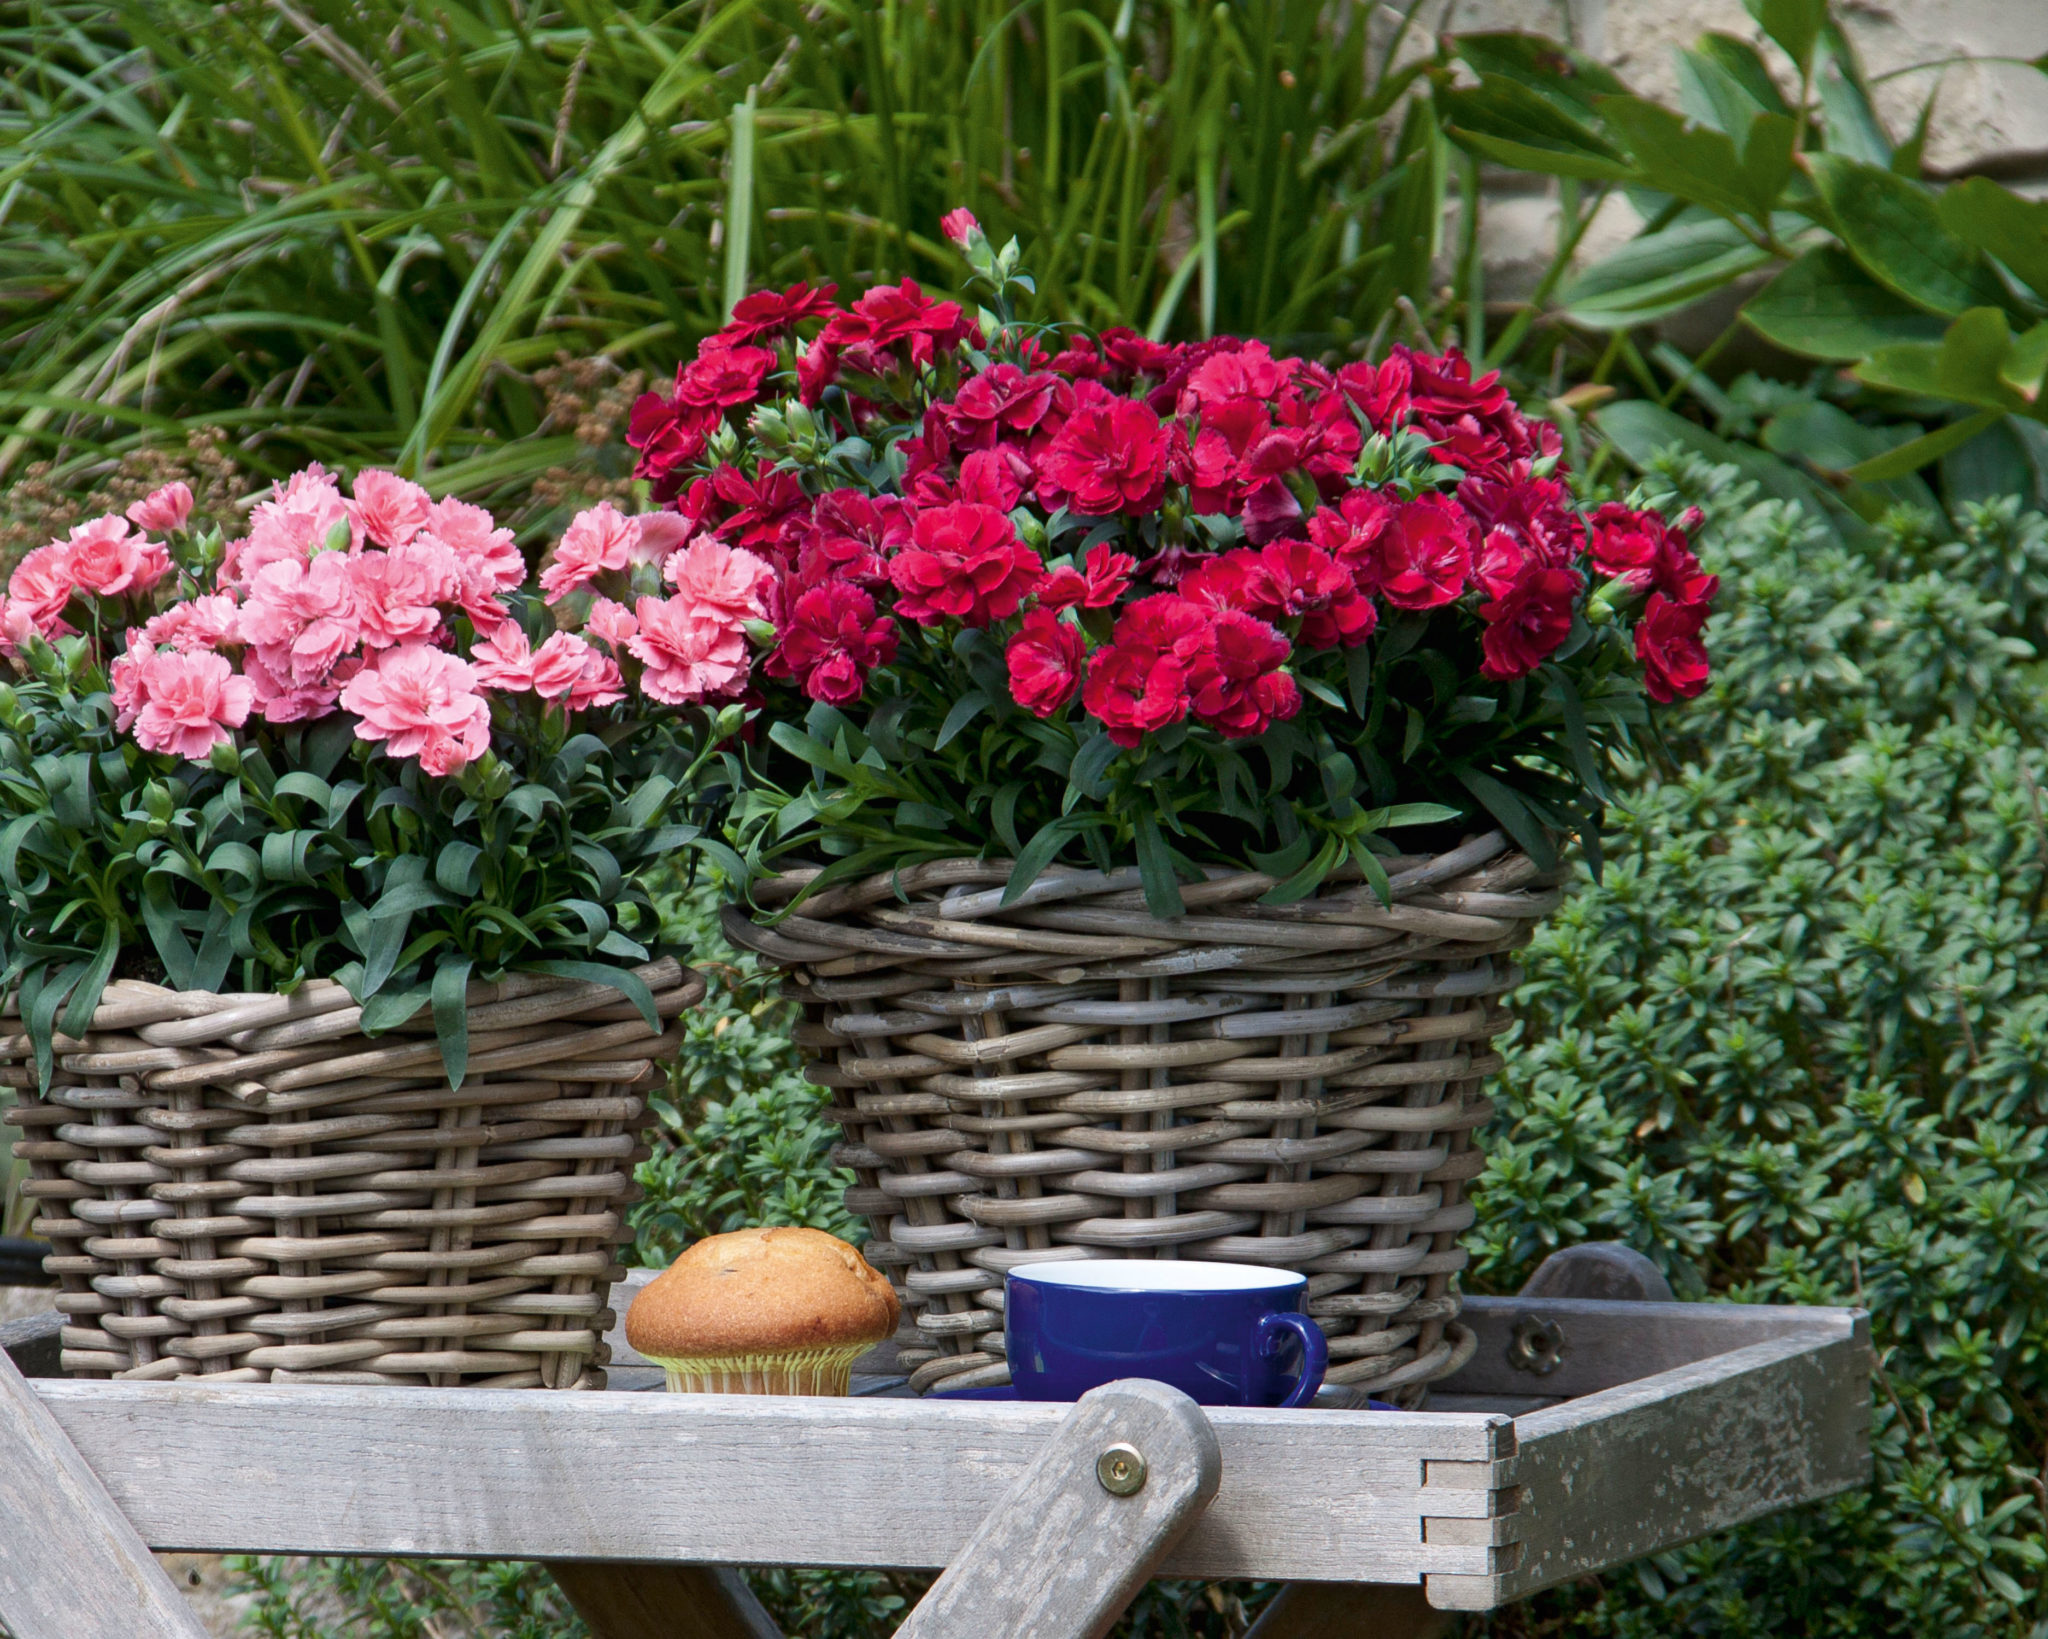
759 1291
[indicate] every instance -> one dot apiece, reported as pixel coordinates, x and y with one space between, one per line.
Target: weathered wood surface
1751 1409
1599 1269
1060 1555
733 1479
1350 1610
71 1566
663 1601
1611 1477
1614 1343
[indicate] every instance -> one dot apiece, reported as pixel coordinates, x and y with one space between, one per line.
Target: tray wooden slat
1686 1419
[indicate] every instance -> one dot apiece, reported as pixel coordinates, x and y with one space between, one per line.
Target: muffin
763 1311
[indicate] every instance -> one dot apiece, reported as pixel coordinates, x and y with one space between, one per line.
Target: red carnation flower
817 367
769 313
1379 390
959 225
1110 457
996 477
964 562
1642 549
850 537
1165 624
724 377
1097 584
1416 555
1236 684
669 433
767 512
889 314
1536 511
1525 627
832 637
1247 370
1002 402
1045 658
1134 692
1289 580
1675 665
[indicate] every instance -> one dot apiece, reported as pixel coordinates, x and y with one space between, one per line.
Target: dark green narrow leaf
624 980
1155 867
1506 806
451 1016
85 1000
965 709
1911 457
1035 855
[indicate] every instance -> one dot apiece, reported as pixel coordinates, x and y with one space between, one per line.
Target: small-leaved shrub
1795 1048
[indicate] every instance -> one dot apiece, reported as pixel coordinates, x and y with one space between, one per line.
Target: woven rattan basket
1069 1077
246 1188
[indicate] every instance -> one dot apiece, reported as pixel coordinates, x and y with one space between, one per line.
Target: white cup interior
1159 1275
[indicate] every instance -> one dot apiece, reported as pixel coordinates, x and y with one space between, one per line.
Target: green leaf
451 1016
1659 273
968 707
1794 24
2000 223
1965 366
1507 806
1287 860
1155 869
1091 762
1674 156
85 999
1825 306
624 980
1849 122
1036 854
390 1008
1412 813
1767 161
1891 226
458 868
1911 457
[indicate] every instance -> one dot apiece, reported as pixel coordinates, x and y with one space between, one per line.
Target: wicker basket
1070 1077
245 1188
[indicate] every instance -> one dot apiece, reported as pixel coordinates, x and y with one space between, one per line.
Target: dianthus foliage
1794 1046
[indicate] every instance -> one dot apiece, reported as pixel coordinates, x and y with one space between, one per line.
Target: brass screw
1121 1470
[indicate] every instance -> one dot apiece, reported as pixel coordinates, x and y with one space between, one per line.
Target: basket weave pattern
1068 1076
245 1188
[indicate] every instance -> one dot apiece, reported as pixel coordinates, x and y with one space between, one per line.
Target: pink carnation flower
294 523
421 702
598 684
398 593
278 699
106 561
689 655
389 509
303 614
16 627
41 586
660 534
163 509
187 703
598 539
124 678
471 534
611 623
727 581
209 622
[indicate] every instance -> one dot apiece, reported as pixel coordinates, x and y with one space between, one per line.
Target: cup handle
1315 1351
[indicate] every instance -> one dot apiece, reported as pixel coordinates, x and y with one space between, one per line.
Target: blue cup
1224 1334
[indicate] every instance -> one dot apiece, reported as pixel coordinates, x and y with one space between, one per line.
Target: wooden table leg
1062 1554
1350 1610
638 1601
71 1566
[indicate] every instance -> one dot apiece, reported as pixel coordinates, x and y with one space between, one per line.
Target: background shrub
1795 1048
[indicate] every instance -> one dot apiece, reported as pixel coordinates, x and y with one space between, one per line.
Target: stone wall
1991 117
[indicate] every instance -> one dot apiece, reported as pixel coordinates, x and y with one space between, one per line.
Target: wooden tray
1581 1435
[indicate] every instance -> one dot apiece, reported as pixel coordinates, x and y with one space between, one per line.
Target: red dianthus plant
1031 590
